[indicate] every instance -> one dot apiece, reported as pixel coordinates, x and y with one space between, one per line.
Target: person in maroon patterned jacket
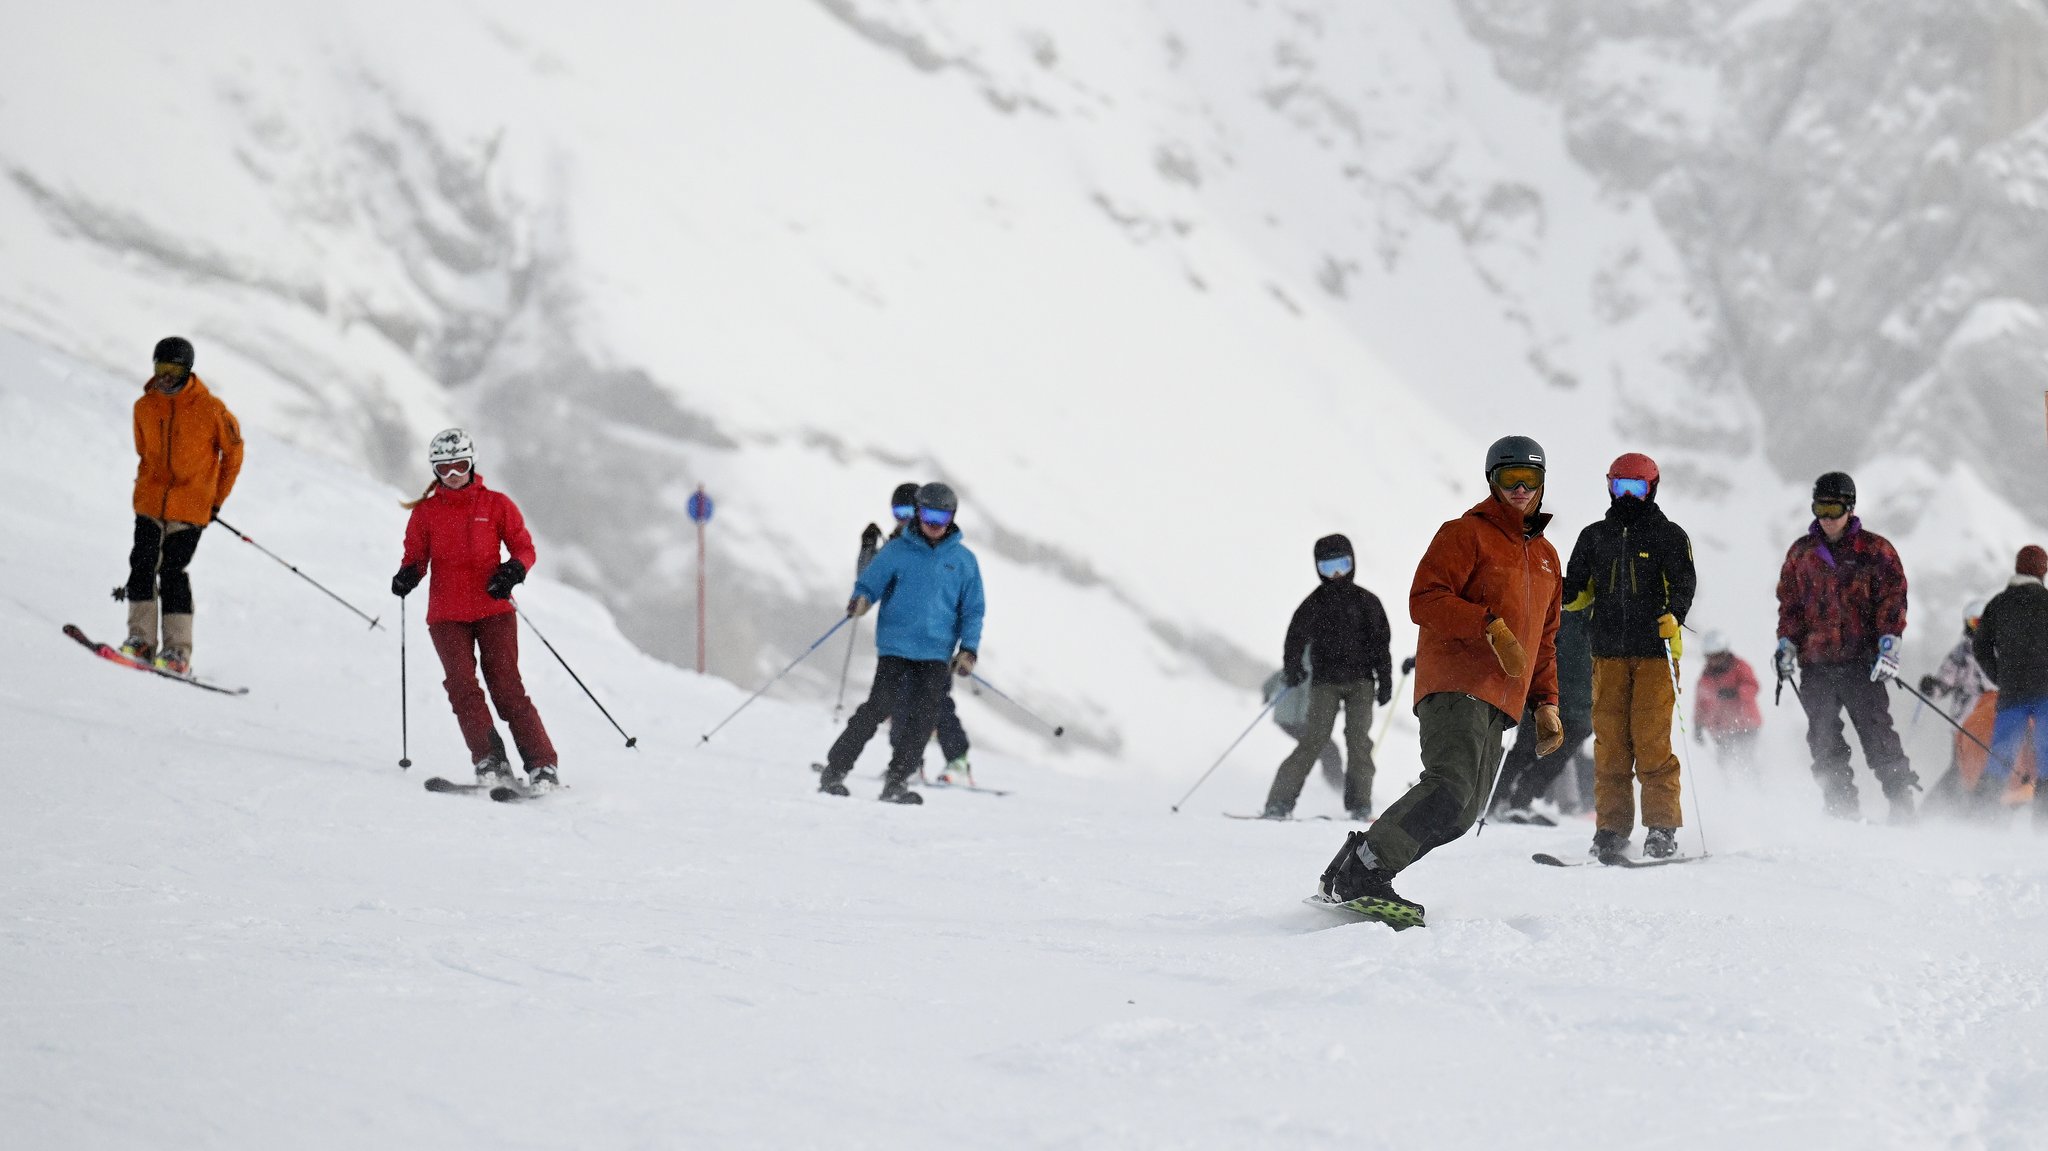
1841 612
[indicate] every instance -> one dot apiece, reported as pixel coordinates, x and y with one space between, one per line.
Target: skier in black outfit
2012 647
1526 776
881 701
1345 630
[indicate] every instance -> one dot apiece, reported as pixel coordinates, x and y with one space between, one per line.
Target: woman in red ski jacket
457 529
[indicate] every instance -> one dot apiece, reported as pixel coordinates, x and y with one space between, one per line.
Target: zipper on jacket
170 473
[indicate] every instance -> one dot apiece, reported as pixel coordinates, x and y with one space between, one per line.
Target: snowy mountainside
234 922
1166 292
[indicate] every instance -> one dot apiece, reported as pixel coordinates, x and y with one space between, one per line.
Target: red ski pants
497 639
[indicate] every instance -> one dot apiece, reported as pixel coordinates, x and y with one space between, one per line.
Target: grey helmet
938 497
1512 451
1835 486
449 445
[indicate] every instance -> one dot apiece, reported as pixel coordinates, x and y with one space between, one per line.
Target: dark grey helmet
1835 486
174 350
1511 451
938 497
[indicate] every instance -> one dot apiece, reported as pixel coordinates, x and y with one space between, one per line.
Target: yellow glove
1672 635
1549 729
1581 601
1507 649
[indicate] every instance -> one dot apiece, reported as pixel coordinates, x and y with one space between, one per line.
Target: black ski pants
1460 754
158 560
880 705
1825 692
1526 776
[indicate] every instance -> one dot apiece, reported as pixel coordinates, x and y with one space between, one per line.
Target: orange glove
1507 649
1549 729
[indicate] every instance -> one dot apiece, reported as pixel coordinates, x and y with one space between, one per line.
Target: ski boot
139 649
493 771
1367 888
1660 842
174 661
1278 811
1359 814
832 780
541 780
1902 812
896 788
957 771
1607 844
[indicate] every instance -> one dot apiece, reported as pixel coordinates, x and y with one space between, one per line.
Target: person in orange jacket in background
189 451
1488 598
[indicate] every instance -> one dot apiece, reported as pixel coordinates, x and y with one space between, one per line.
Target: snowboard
113 655
1614 861
1398 916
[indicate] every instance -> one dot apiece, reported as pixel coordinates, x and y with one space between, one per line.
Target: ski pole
1967 733
1387 720
1270 705
1486 811
1678 713
815 645
631 741
852 639
1058 730
236 532
404 726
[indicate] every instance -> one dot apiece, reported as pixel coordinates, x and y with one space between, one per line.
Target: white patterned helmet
449 445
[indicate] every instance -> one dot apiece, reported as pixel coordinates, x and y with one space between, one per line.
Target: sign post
700 509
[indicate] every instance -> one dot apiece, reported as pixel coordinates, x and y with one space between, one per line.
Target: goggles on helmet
449 469
903 512
937 517
1624 488
1518 476
1829 509
1334 566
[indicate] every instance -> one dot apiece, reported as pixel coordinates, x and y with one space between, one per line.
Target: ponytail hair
408 505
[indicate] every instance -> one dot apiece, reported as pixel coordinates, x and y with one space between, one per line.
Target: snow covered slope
235 923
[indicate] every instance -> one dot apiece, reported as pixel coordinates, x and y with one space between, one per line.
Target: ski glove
1887 665
1408 665
870 537
1507 649
1929 685
1295 678
858 606
1385 693
406 580
1787 659
1672 635
963 663
1549 729
509 575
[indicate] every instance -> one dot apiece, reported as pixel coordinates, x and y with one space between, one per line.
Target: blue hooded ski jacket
929 594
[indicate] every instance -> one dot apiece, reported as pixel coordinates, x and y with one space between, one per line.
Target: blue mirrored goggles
1618 488
1334 566
937 517
903 511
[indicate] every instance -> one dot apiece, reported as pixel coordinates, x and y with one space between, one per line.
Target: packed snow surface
236 923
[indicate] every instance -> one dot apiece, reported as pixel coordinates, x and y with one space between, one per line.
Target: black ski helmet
1513 451
1835 486
905 496
174 350
1330 547
938 497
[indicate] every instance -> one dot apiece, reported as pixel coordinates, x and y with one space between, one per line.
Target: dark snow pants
1331 760
1826 691
923 689
1461 739
1524 775
1323 702
879 705
497 639
157 560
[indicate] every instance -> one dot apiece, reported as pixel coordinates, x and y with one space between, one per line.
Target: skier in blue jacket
929 586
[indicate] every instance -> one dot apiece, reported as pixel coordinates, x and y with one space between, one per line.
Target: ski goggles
449 469
1515 476
1829 509
936 517
174 371
1334 566
903 512
1621 488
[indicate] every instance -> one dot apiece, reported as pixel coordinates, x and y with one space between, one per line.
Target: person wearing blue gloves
929 587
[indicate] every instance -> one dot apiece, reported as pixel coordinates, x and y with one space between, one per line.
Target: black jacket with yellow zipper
1630 568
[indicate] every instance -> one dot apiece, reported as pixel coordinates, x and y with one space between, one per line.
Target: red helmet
1634 466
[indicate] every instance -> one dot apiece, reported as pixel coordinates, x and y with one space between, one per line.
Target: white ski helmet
450 444
1972 612
1714 642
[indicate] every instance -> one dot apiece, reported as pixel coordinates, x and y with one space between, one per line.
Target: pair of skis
1612 860
502 793
113 655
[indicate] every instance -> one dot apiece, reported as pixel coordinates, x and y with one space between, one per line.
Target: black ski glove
1295 678
1928 685
406 580
509 575
871 537
1408 665
1384 693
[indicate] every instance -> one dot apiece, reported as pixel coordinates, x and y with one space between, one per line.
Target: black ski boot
832 780
1660 842
1278 811
541 780
1367 888
493 771
1900 793
1607 844
896 788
